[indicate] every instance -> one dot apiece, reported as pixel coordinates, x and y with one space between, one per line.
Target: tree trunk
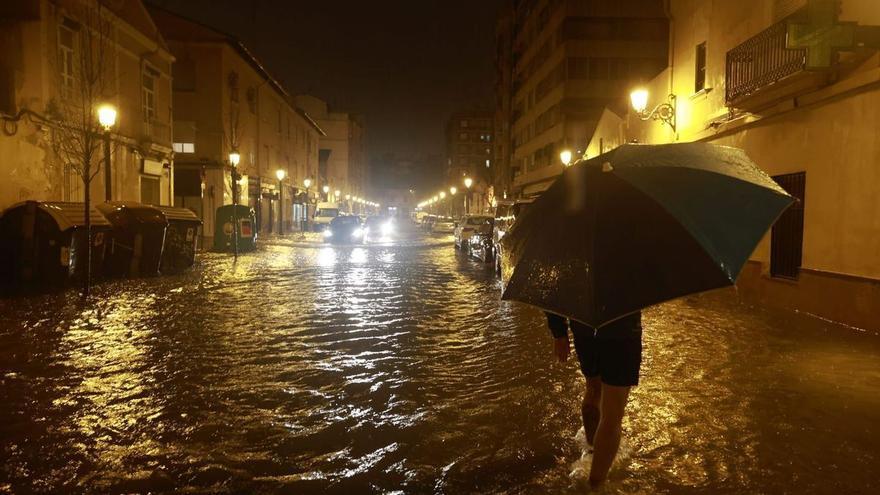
87 279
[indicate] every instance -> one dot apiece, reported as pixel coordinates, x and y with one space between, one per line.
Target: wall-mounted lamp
664 112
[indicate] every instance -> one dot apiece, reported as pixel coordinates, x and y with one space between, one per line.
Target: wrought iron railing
760 61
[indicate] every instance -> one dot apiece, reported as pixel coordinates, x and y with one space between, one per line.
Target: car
468 225
428 222
479 245
345 229
324 214
443 225
505 216
377 227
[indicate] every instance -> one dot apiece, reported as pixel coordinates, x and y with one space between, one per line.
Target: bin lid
126 211
175 213
241 209
68 214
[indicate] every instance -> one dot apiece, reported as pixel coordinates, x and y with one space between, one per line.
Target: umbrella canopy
637 226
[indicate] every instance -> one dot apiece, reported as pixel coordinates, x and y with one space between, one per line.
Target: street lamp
565 157
107 119
326 190
468 182
664 112
305 223
442 194
280 174
336 195
234 159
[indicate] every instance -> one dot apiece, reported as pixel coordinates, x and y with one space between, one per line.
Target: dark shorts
613 353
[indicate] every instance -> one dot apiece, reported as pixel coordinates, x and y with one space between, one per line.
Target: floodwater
396 369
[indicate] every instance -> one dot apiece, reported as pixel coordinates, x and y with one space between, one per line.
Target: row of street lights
439 197
235 159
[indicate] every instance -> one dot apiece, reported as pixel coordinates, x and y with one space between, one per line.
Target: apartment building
796 84
344 146
571 59
470 152
226 100
61 57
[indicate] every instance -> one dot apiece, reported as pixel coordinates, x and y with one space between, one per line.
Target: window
462 136
149 190
463 123
184 147
149 94
700 68
787 236
252 100
66 37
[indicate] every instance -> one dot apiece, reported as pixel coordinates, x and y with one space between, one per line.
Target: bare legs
590 408
606 440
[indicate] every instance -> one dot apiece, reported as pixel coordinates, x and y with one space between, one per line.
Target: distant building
43 48
225 100
470 138
808 115
345 147
570 60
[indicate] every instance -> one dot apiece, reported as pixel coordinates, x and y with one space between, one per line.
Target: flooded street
394 368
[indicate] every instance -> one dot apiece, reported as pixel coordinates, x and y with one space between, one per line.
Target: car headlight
328 233
357 232
387 228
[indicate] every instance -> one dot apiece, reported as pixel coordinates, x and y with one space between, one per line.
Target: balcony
761 71
155 132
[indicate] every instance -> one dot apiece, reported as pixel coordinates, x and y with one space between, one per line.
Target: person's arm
558 325
559 329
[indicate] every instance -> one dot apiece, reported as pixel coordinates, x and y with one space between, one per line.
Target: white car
469 224
443 226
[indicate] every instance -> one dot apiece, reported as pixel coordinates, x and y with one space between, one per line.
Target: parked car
428 222
470 224
504 217
344 230
479 245
443 225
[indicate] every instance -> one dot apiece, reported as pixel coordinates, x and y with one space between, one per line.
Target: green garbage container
43 244
223 231
181 239
136 240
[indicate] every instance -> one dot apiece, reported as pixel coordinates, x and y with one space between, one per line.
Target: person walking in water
610 358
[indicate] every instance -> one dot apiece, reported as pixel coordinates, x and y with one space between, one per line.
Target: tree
83 66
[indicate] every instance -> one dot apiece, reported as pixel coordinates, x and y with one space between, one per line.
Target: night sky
404 64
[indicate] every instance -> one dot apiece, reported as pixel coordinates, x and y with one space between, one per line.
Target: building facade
470 153
344 145
226 101
796 84
60 57
570 60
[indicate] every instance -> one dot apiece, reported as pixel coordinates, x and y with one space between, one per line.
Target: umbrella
637 226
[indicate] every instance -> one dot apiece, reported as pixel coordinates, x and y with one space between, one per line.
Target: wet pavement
394 368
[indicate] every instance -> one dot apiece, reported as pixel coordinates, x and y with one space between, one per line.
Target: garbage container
43 244
247 219
136 239
181 239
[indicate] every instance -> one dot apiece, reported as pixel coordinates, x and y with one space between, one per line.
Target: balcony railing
761 61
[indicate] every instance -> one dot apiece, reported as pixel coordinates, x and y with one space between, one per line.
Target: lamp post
452 191
664 112
305 223
336 196
326 190
234 159
468 182
348 202
280 174
565 157
442 197
107 119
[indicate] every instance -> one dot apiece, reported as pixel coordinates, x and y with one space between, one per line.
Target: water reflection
352 369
